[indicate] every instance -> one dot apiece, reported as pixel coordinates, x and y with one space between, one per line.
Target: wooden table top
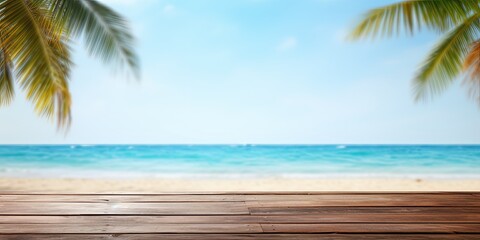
260 215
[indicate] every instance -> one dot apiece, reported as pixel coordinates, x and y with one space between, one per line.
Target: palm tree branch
106 33
446 60
410 16
29 39
6 79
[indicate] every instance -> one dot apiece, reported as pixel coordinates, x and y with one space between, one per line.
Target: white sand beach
157 185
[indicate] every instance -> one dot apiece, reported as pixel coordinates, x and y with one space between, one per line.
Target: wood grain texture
279 215
363 200
371 228
361 210
310 218
251 193
241 236
102 198
172 208
127 227
265 200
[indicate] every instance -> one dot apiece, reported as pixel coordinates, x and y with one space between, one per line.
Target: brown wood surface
305 215
172 208
305 218
263 236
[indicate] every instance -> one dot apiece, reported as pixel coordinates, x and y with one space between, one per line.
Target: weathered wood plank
310 218
371 228
242 216
240 236
48 208
362 200
128 228
124 193
267 200
361 210
362 197
237 228
97 198
363 203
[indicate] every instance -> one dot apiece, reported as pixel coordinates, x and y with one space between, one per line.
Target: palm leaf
411 16
472 67
6 80
34 47
446 60
106 33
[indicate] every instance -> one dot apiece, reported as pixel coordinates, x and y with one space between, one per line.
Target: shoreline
159 185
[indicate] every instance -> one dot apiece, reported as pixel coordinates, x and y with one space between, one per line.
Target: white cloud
287 44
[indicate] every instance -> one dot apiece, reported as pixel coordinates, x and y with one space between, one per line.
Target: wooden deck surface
336 216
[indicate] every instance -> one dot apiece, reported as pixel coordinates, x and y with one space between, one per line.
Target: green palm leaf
6 80
458 20
446 60
107 34
30 39
411 16
34 49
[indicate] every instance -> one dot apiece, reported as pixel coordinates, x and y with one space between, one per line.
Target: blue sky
253 71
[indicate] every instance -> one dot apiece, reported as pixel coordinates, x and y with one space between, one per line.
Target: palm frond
6 80
35 49
446 60
472 67
106 33
411 16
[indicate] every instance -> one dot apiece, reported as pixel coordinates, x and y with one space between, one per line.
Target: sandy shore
156 185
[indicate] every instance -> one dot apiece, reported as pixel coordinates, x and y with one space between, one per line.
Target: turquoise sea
240 161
